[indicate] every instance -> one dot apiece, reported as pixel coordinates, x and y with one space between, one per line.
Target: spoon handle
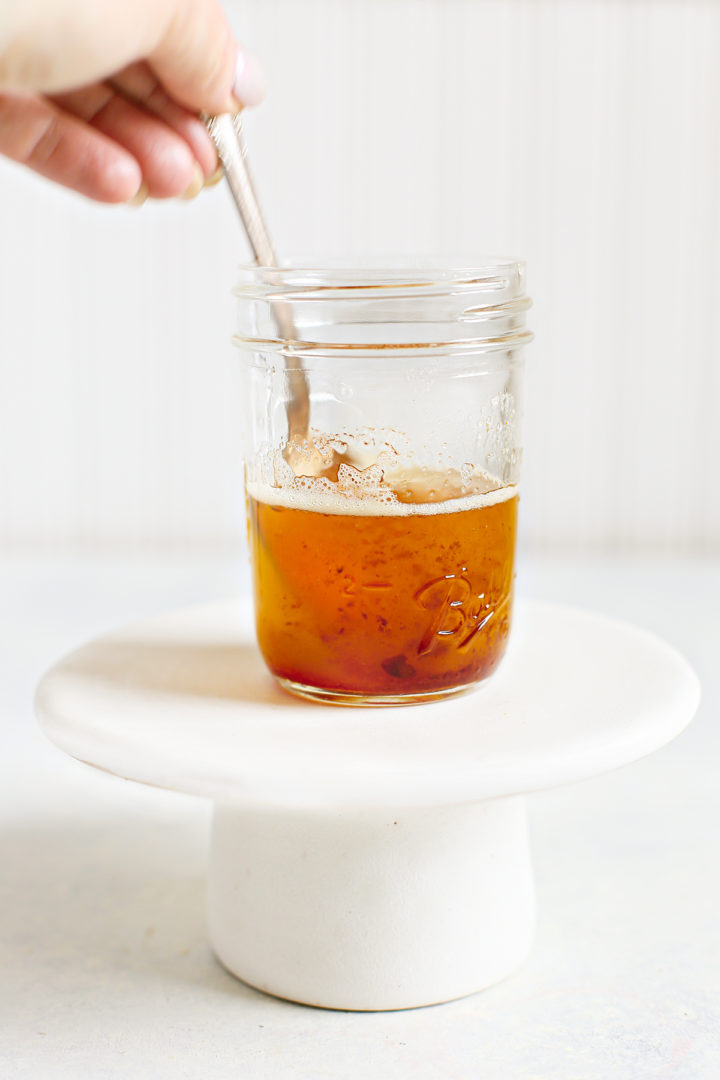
227 134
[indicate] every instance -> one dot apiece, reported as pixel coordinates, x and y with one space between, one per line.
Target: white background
584 136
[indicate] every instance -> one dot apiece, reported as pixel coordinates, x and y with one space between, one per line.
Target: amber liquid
384 601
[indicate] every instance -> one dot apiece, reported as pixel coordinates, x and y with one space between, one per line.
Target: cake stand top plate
183 701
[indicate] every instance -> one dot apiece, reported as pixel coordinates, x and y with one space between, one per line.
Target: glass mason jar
382 452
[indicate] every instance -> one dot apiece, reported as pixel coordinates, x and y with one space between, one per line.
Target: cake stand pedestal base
372 909
366 859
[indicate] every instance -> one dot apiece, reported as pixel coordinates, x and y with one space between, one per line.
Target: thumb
200 64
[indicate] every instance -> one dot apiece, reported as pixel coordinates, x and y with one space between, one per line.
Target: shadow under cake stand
366 858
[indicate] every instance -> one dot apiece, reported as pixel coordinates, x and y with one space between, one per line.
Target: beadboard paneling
584 136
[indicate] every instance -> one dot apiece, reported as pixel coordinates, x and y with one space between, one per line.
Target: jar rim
467 305
392 271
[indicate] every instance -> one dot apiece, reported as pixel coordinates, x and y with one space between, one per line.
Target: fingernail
215 177
140 196
196 184
250 85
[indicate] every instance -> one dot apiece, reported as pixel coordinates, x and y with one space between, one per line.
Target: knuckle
44 143
28 134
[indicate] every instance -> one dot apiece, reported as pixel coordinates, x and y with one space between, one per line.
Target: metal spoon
226 132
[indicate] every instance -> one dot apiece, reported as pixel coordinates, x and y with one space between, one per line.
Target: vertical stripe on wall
582 135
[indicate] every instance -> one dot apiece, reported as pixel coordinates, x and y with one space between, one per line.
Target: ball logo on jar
458 611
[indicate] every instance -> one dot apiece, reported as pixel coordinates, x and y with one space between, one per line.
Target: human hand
104 96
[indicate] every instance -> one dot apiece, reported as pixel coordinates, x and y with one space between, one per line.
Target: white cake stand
366 859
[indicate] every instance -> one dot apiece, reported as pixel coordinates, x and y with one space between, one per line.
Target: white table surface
105 970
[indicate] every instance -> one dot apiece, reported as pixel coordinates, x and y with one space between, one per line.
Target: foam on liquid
366 493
